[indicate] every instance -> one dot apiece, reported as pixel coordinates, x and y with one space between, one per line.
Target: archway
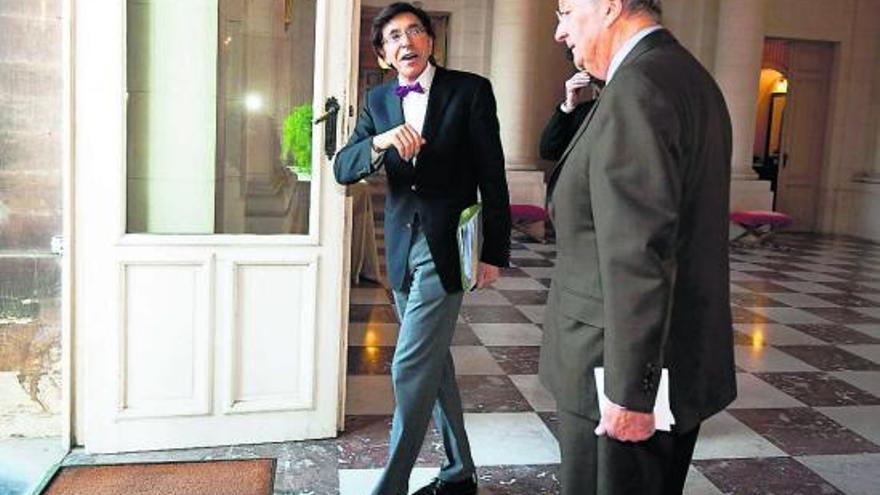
772 92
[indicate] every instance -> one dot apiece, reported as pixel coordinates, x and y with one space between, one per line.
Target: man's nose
560 34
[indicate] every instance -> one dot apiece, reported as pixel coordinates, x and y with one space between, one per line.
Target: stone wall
30 124
31 140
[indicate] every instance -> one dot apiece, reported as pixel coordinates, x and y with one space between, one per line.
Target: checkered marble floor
807 420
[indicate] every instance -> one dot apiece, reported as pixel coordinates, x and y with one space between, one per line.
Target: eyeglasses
396 37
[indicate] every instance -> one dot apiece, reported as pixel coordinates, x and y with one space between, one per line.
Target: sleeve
357 160
485 137
560 129
635 189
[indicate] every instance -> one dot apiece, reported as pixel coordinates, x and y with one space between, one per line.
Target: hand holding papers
468 236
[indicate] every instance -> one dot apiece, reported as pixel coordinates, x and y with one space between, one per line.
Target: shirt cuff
376 156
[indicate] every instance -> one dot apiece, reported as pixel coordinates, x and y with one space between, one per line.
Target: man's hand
577 91
486 274
404 138
627 426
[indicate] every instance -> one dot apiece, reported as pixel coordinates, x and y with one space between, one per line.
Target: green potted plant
296 142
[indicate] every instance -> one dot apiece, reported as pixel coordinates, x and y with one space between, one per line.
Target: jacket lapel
438 98
554 175
394 105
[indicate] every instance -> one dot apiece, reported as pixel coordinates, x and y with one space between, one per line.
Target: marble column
737 70
528 71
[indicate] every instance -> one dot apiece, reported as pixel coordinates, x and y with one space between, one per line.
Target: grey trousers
600 465
423 375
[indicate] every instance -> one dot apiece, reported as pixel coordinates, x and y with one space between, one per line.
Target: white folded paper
663 419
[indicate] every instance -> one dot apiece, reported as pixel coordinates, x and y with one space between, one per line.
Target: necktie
404 90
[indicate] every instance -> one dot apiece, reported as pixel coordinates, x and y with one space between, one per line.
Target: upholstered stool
759 224
529 219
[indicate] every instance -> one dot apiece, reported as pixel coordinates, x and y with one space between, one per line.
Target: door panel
804 133
271 359
196 332
165 313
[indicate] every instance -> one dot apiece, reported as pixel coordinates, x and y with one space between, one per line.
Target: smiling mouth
409 56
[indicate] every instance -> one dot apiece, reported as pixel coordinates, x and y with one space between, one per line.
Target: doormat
241 477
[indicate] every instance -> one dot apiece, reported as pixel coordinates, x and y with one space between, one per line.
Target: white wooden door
187 337
804 133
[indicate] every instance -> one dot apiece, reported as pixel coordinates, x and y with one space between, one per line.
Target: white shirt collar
425 78
627 47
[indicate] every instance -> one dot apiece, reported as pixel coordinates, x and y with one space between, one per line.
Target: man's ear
383 64
613 10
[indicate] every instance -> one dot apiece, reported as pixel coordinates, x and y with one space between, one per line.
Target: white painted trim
346 128
237 240
68 377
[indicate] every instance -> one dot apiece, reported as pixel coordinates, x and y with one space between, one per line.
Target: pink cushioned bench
529 219
759 223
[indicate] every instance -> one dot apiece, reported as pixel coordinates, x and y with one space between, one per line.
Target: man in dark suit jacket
436 133
640 205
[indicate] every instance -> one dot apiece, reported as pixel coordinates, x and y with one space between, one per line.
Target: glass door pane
220 116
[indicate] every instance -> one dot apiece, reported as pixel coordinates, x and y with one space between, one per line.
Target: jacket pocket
580 307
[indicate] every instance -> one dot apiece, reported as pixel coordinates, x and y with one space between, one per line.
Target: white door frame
98 231
68 385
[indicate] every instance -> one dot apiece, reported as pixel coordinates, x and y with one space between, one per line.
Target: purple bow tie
404 90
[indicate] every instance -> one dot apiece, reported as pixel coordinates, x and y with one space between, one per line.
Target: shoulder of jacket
462 77
380 90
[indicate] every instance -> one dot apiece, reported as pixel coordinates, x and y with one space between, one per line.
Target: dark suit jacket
560 129
640 205
462 155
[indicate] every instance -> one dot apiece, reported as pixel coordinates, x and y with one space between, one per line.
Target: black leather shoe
440 487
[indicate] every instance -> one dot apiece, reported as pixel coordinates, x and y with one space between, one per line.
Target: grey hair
650 7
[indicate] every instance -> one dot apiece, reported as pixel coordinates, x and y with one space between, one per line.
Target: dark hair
390 12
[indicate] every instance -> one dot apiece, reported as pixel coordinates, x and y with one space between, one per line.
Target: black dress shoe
440 487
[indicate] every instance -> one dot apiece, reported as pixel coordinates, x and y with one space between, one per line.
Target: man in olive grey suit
639 200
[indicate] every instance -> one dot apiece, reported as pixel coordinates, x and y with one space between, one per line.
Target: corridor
807 329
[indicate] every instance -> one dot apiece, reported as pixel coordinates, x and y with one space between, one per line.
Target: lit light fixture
253 102
781 86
